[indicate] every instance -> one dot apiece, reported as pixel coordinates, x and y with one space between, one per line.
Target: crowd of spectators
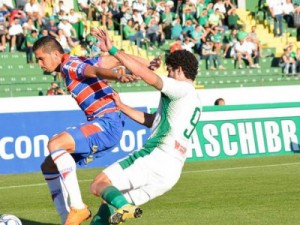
211 29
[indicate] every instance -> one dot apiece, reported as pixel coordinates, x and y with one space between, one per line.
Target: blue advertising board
24 137
230 131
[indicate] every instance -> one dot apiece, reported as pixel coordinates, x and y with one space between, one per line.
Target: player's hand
101 44
103 37
155 63
123 77
128 78
117 99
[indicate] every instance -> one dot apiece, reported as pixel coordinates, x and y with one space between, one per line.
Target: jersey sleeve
96 61
175 89
74 69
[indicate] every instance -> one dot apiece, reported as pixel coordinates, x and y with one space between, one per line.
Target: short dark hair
186 60
48 44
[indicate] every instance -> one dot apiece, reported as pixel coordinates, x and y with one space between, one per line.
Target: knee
51 145
99 184
57 142
93 189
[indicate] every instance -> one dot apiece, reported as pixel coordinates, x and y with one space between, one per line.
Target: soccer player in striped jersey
155 168
86 81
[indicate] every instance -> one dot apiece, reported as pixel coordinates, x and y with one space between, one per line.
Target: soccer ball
8 219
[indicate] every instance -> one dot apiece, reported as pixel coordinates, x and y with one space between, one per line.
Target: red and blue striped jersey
93 95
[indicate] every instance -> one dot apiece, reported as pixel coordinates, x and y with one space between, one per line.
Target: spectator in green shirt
130 32
200 6
29 41
197 35
203 18
188 28
92 43
148 15
176 30
188 14
234 20
217 38
167 17
229 41
109 21
215 19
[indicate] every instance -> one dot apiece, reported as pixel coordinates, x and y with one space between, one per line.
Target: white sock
67 169
59 195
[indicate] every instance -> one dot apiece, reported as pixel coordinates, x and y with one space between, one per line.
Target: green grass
256 191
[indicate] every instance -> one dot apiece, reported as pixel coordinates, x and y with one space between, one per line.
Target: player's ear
56 54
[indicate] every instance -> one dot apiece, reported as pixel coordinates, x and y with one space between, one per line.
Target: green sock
114 197
103 214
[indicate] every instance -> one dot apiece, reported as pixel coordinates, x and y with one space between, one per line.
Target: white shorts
145 178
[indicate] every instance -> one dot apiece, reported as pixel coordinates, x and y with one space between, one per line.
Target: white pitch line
33 185
22 186
184 172
244 167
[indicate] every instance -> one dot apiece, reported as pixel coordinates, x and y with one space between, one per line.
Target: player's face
47 62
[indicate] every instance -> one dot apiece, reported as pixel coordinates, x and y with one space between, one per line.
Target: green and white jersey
155 169
176 119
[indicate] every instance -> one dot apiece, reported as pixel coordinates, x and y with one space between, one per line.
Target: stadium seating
20 79
264 29
17 78
131 87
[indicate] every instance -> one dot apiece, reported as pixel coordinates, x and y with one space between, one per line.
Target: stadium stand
17 78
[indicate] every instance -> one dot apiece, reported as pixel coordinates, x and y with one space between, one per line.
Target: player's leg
96 136
103 214
136 180
102 186
56 187
60 148
113 183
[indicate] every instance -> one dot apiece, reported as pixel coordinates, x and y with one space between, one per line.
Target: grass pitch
254 191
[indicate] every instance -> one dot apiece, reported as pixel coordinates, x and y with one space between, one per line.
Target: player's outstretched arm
130 63
140 70
143 118
111 62
93 71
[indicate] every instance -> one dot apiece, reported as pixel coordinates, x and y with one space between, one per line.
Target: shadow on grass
30 222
